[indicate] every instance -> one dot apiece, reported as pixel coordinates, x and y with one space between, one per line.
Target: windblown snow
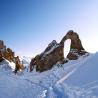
75 79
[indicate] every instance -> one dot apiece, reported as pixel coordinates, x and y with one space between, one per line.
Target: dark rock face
1 44
1 57
18 64
72 56
75 54
55 52
45 61
32 64
7 53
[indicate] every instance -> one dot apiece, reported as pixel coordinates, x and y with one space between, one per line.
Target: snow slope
75 79
86 73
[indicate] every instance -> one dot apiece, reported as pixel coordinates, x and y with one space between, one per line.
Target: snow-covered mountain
75 79
25 60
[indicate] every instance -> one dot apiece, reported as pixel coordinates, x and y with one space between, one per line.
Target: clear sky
27 26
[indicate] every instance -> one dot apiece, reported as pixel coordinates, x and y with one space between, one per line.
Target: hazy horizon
28 26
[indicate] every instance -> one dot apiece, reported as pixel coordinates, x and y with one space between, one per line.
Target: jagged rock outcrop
18 64
52 54
55 52
7 53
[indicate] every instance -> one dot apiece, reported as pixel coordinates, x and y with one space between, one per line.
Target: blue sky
27 26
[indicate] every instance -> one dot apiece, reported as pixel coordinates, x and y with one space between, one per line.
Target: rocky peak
7 53
51 45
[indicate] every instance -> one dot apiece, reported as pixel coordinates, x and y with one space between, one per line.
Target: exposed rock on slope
52 54
7 53
55 52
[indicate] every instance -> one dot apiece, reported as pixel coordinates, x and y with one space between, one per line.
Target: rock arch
55 52
75 41
76 48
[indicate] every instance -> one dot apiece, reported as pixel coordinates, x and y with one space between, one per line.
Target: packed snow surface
75 79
